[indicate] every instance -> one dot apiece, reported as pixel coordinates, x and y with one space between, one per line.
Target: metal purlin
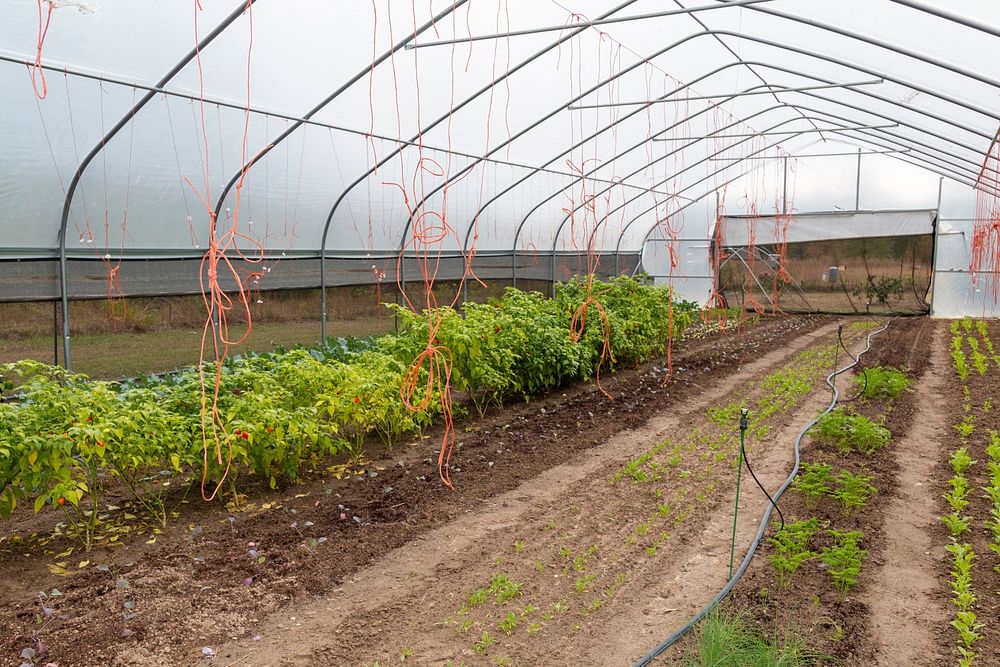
772 108
572 33
643 213
728 66
555 238
839 103
95 151
657 223
367 71
927 91
739 60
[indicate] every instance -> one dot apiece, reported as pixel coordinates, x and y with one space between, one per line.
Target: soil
586 596
985 577
905 599
197 585
843 627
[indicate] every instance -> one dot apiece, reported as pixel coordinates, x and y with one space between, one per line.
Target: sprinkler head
744 418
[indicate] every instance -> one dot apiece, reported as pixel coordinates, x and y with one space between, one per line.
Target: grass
729 640
109 356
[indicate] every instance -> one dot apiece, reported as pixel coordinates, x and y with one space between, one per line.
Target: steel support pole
95 151
784 189
55 333
857 185
934 244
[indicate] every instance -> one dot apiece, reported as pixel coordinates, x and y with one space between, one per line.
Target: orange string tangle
218 258
35 70
984 260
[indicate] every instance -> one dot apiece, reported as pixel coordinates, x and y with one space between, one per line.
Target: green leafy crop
882 382
850 432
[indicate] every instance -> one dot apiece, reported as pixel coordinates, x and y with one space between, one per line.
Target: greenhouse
496 332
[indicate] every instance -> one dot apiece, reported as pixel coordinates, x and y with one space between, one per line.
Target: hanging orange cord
35 70
984 260
218 304
784 210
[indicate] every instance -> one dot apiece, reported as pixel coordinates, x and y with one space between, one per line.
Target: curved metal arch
510 72
889 47
656 224
465 243
866 93
900 140
776 92
701 180
909 142
868 142
818 56
108 136
555 237
871 72
773 107
517 232
865 141
368 70
932 168
800 107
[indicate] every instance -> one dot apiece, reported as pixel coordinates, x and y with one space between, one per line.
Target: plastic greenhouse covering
316 143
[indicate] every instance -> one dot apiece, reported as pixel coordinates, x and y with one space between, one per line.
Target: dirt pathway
554 528
906 603
664 604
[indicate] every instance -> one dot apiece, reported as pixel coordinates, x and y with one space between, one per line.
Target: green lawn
111 356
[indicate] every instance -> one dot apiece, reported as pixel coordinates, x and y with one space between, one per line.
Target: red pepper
357 400
246 436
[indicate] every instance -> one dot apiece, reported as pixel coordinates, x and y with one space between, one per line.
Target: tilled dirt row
199 584
568 568
845 626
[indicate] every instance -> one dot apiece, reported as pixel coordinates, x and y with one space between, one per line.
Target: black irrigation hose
857 360
767 495
669 641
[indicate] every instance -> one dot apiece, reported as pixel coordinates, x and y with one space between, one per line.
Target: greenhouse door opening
830 262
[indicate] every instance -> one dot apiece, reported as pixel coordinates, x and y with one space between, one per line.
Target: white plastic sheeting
826 226
692 279
956 291
503 156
